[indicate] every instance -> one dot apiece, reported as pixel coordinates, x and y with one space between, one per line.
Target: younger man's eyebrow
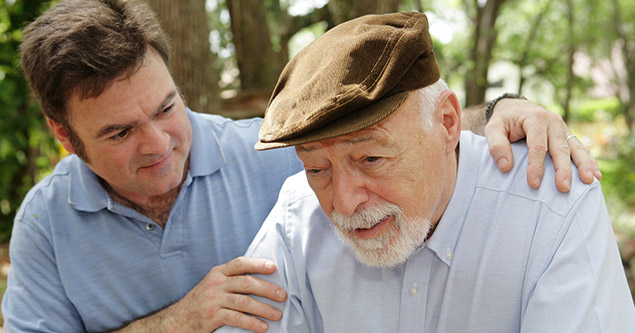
119 127
166 101
113 128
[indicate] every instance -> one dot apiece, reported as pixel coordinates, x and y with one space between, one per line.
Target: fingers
246 284
237 319
499 146
224 297
545 131
238 308
587 166
245 265
235 280
246 304
561 157
537 145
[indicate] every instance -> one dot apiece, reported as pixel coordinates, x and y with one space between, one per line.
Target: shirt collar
206 157
84 191
443 241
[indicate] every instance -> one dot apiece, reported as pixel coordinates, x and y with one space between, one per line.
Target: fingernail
502 162
262 326
270 265
537 181
589 174
280 294
567 183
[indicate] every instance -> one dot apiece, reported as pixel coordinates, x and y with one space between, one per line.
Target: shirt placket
414 292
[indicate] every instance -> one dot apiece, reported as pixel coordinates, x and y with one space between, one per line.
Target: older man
434 238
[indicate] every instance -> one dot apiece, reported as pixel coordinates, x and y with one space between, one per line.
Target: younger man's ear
61 134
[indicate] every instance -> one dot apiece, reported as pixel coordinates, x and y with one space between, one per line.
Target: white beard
390 248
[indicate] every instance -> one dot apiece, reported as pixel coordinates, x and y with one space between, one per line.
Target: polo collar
206 155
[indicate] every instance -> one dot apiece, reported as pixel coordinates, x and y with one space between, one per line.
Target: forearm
223 297
163 321
473 119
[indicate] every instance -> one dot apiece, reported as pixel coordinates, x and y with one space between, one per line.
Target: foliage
26 148
588 110
620 177
221 44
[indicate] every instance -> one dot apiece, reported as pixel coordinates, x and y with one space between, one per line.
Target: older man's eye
372 159
313 171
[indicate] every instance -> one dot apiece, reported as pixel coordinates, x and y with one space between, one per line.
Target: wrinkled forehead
377 135
384 133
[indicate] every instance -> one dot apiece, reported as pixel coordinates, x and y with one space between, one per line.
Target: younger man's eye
120 135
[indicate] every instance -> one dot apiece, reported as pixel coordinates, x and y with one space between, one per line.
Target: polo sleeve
35 300
583 287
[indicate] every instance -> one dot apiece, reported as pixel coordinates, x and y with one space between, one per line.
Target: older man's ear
450 113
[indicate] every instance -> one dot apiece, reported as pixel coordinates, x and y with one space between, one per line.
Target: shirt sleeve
35 300
583 288
274 242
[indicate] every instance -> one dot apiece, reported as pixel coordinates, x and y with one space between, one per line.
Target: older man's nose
349 192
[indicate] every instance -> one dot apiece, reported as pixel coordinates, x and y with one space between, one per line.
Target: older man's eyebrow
360 139
107 130
367 137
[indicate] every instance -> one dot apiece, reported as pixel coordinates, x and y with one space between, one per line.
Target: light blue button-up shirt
504 258
82 262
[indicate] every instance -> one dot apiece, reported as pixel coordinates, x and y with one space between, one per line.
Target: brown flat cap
353 76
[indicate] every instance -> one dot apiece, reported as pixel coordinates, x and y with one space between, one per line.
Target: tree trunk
571 46
481 53
192 63
628 56
257 62
344 10
629 108
287 26
533 33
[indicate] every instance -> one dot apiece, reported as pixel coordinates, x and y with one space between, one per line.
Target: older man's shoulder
515 181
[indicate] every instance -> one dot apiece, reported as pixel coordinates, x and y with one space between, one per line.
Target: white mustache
367 217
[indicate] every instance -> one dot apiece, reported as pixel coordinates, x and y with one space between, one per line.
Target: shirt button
449 255
413 290
149 226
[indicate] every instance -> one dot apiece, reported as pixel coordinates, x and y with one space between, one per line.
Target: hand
221 298
545 131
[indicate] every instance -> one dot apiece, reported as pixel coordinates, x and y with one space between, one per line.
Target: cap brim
352 122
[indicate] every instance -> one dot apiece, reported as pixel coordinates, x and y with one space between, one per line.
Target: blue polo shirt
83 262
